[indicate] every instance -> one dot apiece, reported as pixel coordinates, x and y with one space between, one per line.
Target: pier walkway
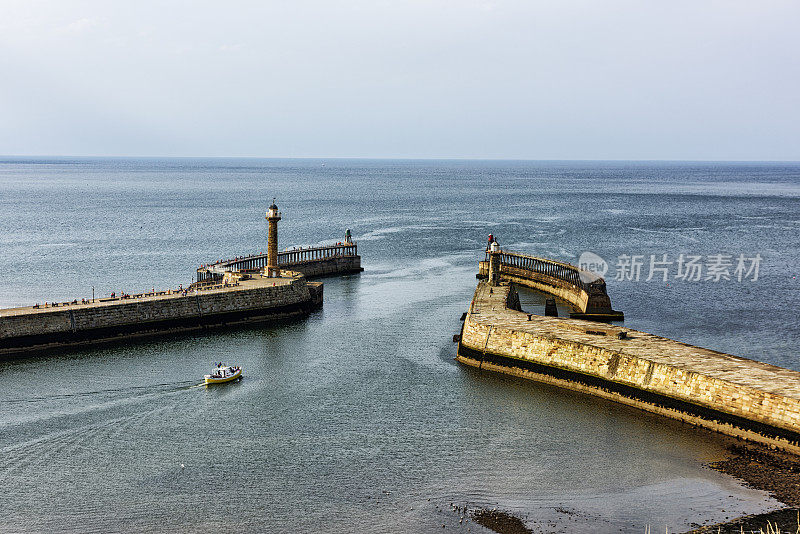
252 298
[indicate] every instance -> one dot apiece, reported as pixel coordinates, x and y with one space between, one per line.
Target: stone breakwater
311 262
329 266
256 299
726 393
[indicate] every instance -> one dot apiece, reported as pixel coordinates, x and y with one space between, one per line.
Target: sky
527 79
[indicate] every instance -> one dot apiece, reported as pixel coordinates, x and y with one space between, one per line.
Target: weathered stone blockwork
639 368
341 265
259 299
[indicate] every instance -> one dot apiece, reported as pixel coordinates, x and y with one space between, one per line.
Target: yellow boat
224 373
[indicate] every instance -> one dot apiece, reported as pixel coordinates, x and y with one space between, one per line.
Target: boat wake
40 433
166 387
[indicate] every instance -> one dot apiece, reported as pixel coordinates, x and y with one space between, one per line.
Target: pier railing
286 259
565 272
302 255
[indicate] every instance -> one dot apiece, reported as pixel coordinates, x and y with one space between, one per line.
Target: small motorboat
224 373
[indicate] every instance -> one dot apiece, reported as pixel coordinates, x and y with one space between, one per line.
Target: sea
357 418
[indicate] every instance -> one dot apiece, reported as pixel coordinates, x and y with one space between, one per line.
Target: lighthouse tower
273 216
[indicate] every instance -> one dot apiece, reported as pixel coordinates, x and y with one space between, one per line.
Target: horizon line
401 158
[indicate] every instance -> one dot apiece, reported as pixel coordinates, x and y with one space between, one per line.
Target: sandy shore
765 469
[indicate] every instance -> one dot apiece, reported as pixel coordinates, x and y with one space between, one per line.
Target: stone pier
262 287
245 299
312 262
722 392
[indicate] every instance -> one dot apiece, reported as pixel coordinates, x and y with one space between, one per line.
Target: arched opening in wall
533 301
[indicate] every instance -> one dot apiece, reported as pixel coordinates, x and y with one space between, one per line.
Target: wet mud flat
500 521
506 521
769 470
757 466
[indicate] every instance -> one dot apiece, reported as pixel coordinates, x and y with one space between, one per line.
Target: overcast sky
561 79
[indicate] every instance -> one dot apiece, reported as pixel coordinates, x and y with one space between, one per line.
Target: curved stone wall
585 291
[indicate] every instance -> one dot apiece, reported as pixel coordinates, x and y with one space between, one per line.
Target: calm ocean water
358 419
